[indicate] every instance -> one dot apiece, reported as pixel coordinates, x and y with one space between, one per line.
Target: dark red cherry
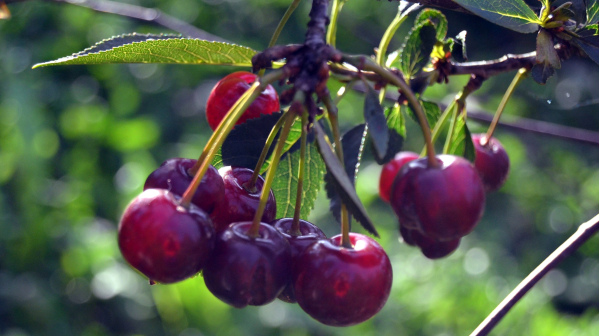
492 162
390 170
229 89
341 286
173 175
444 202
430 248
308 235
406 235
239 203
163 240
248 271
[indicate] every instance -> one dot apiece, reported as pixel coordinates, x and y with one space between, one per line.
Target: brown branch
542 128
150 15
487 69
584 233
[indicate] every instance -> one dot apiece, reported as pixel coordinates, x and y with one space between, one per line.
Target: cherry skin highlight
240 204
173 175
390 170
163 240
445 202
341 286
492 162
308 235
248 271
226 92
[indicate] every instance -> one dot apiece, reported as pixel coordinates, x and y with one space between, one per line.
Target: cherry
163 240
430 248
226 92
390 171
341 286
406 235
492 162
173 175
248 271
443 202
239 203
308 234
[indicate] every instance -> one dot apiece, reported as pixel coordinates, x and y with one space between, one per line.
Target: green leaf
416 51
512 14
217 161
284 185
396 120
592 12
431 110
342 183
294 134
437 18
594 27
460 142
172 49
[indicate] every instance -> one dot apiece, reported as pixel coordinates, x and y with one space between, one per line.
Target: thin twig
584 233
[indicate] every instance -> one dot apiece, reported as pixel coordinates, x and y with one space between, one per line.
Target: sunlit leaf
437 18
512 14
416 51
284 185
592 12
149 48
460 142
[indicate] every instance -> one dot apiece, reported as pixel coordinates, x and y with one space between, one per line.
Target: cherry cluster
169 236
438 204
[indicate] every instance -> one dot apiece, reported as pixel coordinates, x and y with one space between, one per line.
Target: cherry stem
263 83
279 29
270 175
217 139
251 184
365 63
295 225
386 39
332 31
439 124
520 75
332 115
584 233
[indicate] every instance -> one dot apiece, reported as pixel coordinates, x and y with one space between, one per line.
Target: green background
77 142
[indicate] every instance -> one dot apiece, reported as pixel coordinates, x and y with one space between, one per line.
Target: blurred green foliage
76 144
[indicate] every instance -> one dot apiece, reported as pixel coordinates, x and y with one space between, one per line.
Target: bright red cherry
248 271
239 203
390 170
173 175
308 234
341 286
163 240
430 248
226 92
492 162
445 202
